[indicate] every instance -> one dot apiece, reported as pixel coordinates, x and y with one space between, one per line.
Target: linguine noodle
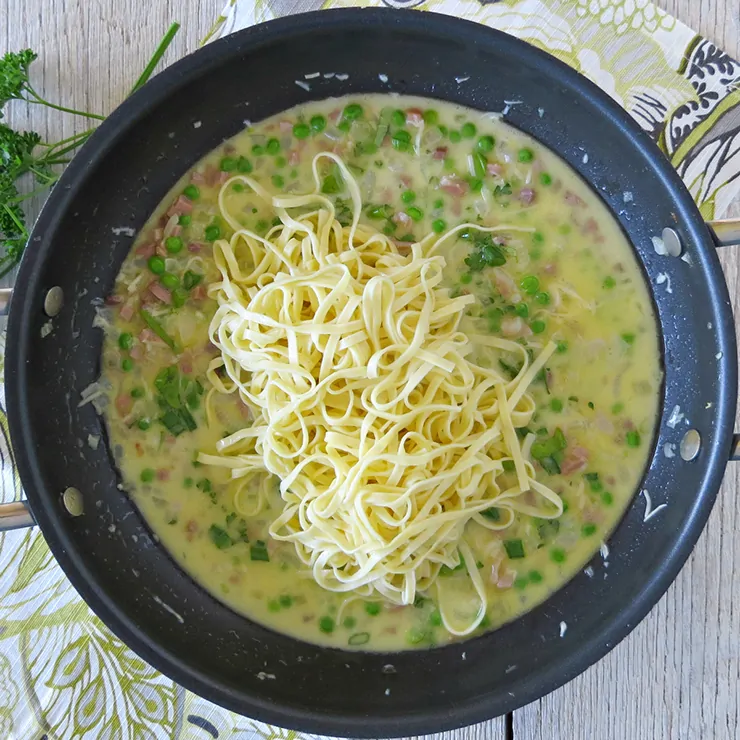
386 438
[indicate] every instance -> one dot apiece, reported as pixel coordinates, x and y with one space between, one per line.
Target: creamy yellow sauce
422 165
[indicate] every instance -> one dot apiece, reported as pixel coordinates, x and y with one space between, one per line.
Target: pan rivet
672 242
53 301
690 445
72 500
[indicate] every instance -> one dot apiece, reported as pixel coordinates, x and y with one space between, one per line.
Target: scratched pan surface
118 179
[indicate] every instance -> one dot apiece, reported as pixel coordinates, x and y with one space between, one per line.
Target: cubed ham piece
494 168
506 580
180 206
160 249
127 311
137 352
286 127
199 293
197 178
212 175
113 300
223 177
414 117
146 250
124 404
505 285
526 196
575 460
440 152
163 474
453 185
293 157
573 200
401 218
161 293
195 247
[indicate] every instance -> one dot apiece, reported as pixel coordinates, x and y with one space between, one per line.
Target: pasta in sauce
371 372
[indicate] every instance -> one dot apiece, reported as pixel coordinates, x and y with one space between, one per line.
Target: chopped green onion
435 618
157 328
190 279
179 297
494 514
258 552
401 140
633 438
514 549
479 164
359 638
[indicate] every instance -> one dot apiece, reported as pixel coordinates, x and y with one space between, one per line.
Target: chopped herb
633 438
494 514
219 537
158 329
628 338
190 279
509 466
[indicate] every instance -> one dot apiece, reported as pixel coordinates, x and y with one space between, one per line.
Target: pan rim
351 724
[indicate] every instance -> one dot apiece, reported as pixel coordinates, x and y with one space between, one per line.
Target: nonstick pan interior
81 240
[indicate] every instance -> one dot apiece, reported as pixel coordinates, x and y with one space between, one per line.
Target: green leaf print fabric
63 675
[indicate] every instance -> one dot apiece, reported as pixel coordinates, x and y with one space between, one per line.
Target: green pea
545 179
344 125
301 131
280 161
143 424
521 583
273 606
557 555
243 165
125 340
556 405
273 146
522 309
538 326
466 278
349 622
530 284
538 237
430 117
170 281
212 232
127 364
588 529
408 196
609 282
353 111
398 118
192 192
173 244
543 298
185 220
228 164
286 600
435 618
326 625
439 203
258 150
147 475
561 348
414 213
535 576
455 137
138 392
278 181
188 482
633 438
237 187
525 155
607 498
486 144
439 225
318 123
179 297
373 608
156 264
468 130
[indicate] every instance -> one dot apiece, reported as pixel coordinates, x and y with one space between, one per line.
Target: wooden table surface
677 676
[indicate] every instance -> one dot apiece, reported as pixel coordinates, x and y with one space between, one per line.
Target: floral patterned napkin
62 673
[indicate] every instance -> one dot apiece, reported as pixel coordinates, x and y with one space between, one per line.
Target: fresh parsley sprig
24 153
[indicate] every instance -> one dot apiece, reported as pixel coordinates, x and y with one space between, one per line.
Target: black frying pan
117 180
